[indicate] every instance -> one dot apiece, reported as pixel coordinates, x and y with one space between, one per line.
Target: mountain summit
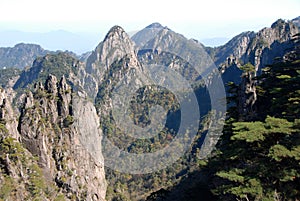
155 25
115 45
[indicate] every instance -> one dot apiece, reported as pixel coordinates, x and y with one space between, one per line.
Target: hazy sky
196 19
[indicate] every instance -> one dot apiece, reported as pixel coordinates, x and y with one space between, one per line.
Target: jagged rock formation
59 125
8 118
115 46
259 48
296 21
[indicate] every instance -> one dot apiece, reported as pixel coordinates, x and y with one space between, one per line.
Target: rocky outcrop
61 128
49 128
8 117
259 49
247 97
234 50
296 21
115 46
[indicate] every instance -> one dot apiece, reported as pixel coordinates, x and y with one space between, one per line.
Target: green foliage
259 131
6 187
7 74
59 65
37 185
248 67
260 160
69 120
13 157
9 147
280 96
3 129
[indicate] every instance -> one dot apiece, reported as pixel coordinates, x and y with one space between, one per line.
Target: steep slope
55 122
259 48
59 65
115 46
126 90
167 40
53 127
296 21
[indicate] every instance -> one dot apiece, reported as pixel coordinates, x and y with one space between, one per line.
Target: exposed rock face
296 21
8 117
115 46
259 48
247 97
61 127
162 39
235 49
57 120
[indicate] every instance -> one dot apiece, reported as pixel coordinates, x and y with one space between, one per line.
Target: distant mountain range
54 40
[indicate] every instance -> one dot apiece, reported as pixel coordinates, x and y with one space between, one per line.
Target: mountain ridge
60 102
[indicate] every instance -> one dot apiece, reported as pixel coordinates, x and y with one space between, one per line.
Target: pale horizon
194 19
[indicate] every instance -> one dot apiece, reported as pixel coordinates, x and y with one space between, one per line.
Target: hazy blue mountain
20 56
142 37
54 40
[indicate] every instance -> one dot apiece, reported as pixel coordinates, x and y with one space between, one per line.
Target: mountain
21 55
296 21
142 37
53 40
259 48
63 118
115 46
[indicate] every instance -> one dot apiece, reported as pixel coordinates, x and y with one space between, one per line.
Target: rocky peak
115 31
155 25
51 84
169 41
146 34
296 21
115 46
259 48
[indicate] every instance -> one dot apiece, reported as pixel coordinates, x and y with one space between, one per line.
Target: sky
192 18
